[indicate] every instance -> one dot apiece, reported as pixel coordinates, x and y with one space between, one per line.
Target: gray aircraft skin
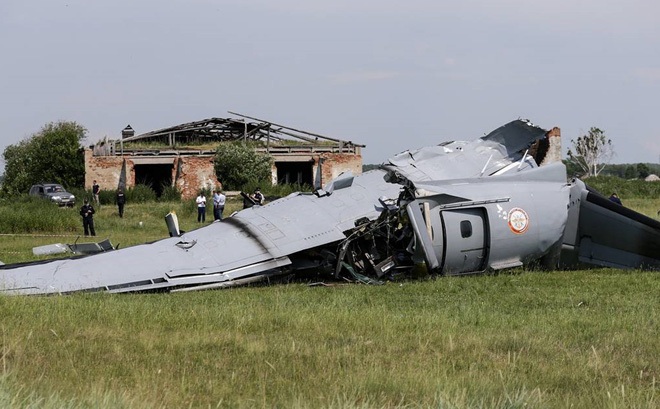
461 207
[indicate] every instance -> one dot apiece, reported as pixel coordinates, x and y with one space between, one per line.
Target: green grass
30 222
581 339
625 189
559 339
34 222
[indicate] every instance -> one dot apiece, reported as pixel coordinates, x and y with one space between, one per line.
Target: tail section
603 233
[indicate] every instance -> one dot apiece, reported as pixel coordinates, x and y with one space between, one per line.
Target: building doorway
292 173
155 176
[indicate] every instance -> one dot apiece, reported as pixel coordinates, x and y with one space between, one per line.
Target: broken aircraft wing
255 240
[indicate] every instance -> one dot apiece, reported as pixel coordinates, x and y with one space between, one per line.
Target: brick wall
554 151
335 164
106 170
192 173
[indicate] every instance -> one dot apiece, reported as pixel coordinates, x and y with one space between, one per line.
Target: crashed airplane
460 207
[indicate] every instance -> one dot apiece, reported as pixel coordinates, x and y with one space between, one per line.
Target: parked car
54 192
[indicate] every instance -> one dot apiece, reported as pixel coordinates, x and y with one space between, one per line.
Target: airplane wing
254 241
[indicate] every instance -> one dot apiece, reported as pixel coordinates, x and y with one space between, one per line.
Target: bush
140 194
239 166
170 194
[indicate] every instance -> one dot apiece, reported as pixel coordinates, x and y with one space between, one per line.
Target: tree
643 170
238 163
54 154
631 173
591 152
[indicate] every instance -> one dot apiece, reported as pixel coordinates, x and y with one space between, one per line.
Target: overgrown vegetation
28 222
238 166
159 145
27 214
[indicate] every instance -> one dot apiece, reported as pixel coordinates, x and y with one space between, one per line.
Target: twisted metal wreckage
455 208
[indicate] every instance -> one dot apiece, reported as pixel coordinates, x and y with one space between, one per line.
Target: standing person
218 204
95 192
215 205
258 197
121 201
87 213
201 207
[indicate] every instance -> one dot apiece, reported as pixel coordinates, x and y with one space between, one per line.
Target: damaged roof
231 129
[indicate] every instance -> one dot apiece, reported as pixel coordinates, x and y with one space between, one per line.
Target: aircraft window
466 229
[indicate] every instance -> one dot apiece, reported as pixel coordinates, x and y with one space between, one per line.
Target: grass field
562 339
36 223
586 339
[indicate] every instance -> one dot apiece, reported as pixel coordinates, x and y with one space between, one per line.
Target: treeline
624 171
632 171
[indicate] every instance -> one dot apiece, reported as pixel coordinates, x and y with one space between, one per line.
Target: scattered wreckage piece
75 248
456 208
51 249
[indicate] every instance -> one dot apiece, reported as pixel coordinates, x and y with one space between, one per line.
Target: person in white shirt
201 207
218 204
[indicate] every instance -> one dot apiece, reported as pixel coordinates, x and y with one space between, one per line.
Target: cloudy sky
388 74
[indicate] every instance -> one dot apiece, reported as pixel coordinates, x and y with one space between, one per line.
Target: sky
392 75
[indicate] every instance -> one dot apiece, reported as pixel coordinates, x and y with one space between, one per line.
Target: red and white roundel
518 220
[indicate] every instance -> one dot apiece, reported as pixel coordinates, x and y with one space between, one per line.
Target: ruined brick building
182 155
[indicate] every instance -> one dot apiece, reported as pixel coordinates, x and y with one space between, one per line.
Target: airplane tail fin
603 233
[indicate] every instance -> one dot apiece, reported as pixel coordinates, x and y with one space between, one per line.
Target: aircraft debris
460 207
75 248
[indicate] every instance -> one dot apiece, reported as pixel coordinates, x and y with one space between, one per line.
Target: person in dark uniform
87 213
121 201
258 197
615 199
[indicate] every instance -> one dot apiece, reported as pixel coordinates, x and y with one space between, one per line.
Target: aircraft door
465 240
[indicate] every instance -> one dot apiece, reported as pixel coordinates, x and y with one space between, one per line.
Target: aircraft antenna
486 165
523 159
